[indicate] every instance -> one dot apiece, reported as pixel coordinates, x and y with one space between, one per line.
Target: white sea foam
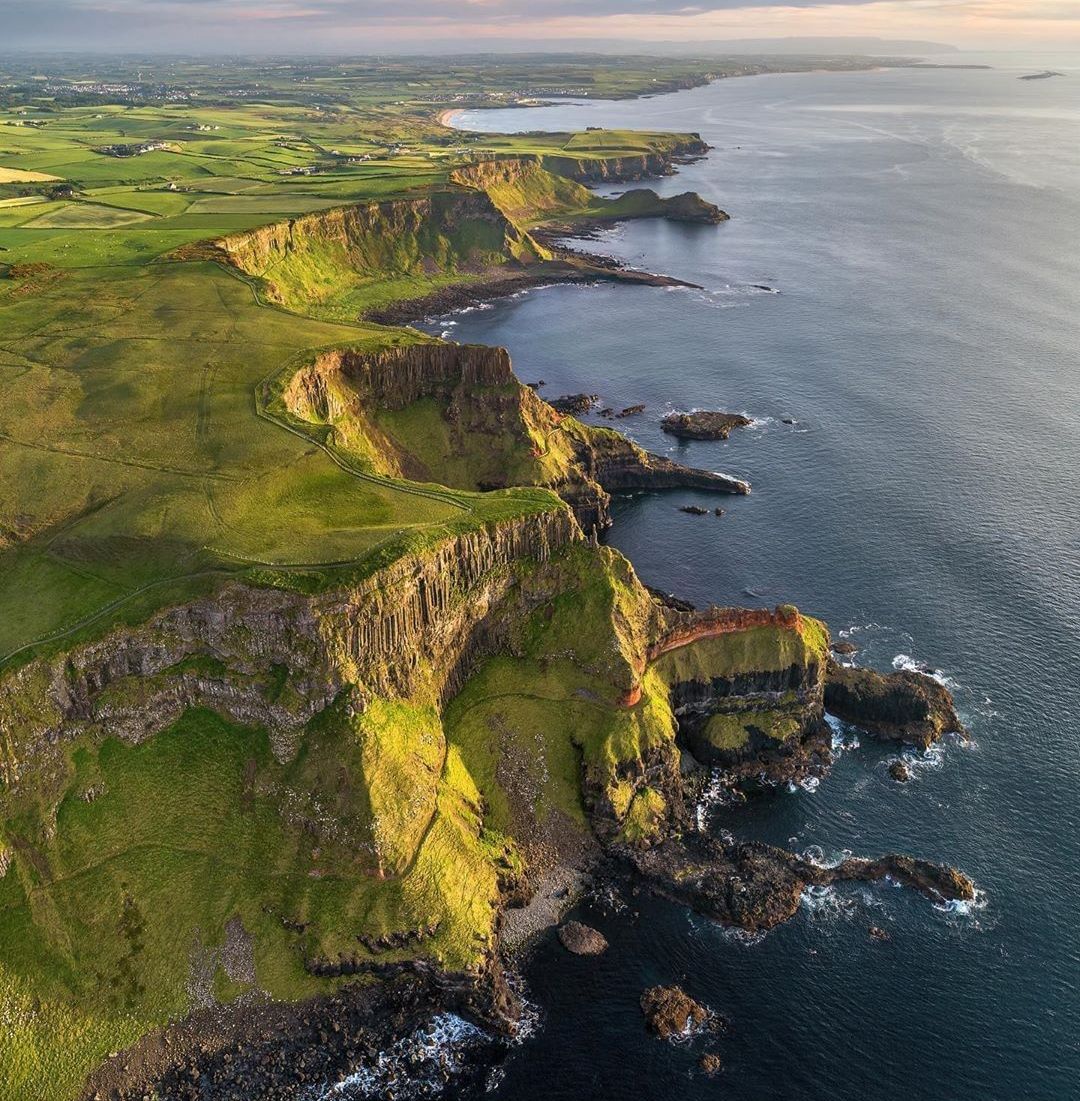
967 910
907 662
844 737
716 794
809 784
816 855
730 934
415 1066
828 903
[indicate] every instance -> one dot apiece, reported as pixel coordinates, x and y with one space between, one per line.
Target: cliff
249 799
419 623
747 687
598 169
370 258
457 415
367 254
356 781
528 193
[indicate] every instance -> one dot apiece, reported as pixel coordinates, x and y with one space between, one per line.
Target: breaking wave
416 1066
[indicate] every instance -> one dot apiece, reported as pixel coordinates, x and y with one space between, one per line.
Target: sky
359 26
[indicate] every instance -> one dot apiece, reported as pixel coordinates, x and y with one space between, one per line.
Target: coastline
551 898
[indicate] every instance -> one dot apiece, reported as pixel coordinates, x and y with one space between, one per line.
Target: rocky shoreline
584 270
299 1052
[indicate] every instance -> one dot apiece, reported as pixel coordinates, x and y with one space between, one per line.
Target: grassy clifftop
349 261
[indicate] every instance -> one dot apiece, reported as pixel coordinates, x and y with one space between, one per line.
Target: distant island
1040 76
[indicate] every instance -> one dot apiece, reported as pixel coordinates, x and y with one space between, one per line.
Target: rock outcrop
671 1013
754 886
903 706
747 689
703 425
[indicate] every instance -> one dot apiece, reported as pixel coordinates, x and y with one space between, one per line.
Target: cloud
343 25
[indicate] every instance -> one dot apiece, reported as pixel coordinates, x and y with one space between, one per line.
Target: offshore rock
576 404
900 772
703 425
711 1063
904 706
582 940
755 886
670 1012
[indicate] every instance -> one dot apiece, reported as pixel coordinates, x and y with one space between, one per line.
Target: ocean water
920 233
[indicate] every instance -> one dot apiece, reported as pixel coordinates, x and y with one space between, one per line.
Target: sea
900 278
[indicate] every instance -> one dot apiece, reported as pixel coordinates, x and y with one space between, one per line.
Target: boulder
671 1012
900 771
904 706
582 940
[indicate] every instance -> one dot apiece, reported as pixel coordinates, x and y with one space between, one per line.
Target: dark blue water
922 230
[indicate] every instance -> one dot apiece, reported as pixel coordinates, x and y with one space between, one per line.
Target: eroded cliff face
747 688
456 414
276 658
383 260
627 169
317 257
